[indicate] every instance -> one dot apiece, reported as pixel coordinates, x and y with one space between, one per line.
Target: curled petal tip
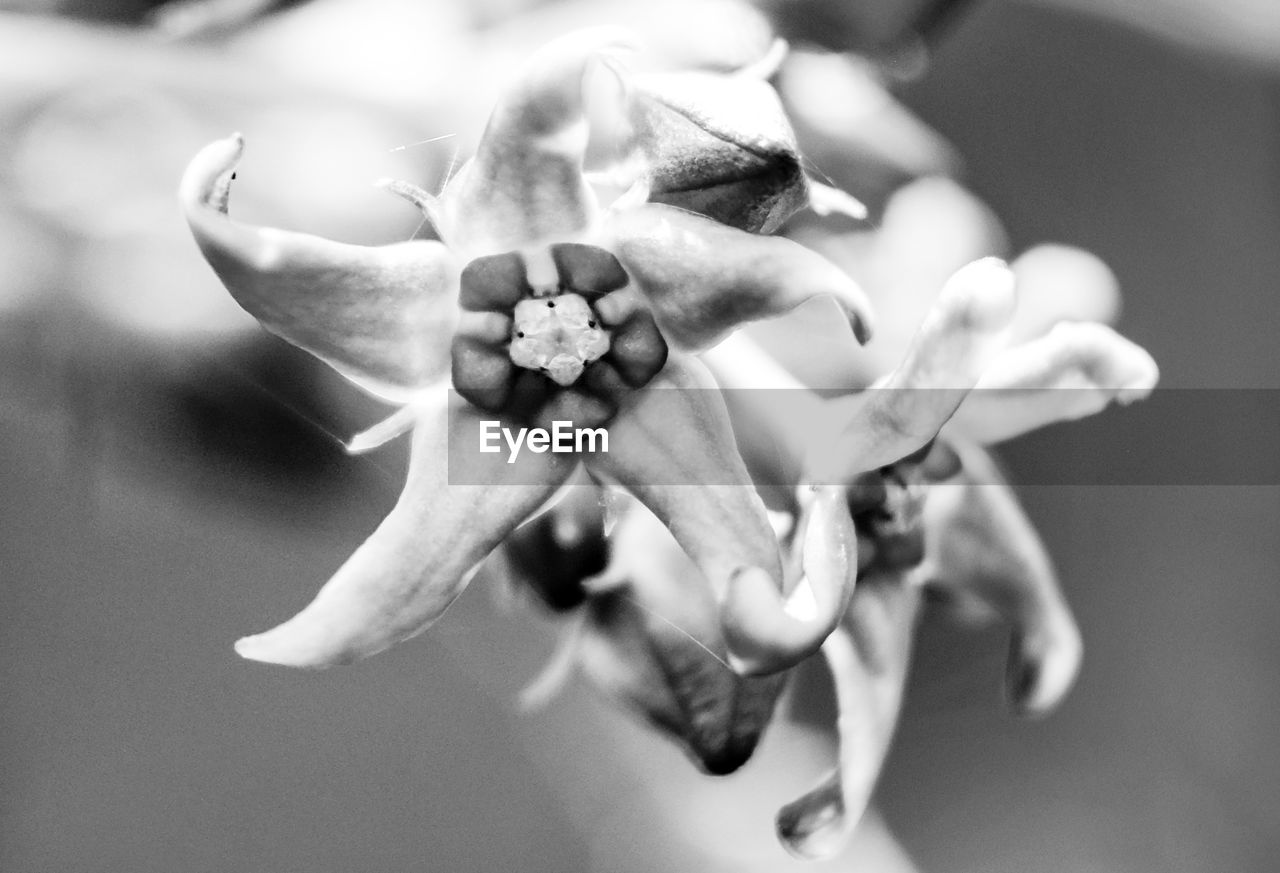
814 827
766 632
1042 670
204 184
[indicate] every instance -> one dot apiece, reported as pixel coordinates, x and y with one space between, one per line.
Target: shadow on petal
525 184
703 279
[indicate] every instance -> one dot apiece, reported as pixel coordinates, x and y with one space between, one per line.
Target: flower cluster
751 533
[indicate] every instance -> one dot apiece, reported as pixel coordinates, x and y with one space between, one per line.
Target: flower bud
719 145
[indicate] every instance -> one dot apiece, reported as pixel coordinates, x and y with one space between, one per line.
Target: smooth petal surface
1061 283
979 543
703 279
774 416
652 639
1073 371
674 450
869 658
420 558
381 316
525 184
958 340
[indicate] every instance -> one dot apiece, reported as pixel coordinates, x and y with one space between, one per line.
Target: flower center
557 335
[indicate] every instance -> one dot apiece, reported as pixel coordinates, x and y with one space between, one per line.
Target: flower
637 289
933 517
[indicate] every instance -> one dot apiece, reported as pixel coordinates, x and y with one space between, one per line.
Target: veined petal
382 316
674 450
980 543
652 639
525 184
868 658
703 279
961 335
420 558
1073 371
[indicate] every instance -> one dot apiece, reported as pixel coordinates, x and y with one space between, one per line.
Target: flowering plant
538 304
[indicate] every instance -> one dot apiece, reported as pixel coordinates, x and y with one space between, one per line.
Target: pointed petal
399 422
652 640
525 184
869 660
981 544
674 450
381 316
704 279
1074 371
420 558
960 336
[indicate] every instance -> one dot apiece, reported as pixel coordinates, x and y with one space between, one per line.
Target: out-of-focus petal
555 552
869 658
979 543
719 145
851 125
525 184
381 316
959 338
1074 371
420 558
1061 283
774 416
652 639
703 279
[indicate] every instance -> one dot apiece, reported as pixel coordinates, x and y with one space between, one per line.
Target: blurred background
172 477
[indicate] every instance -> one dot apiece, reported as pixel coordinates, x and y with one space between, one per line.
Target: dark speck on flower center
559 338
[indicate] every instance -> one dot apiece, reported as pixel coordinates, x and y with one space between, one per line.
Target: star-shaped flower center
557 335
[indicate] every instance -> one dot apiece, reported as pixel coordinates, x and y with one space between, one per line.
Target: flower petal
1071 372
420 558
703 279
673 449
1061 283
381 316
868 658
555 552
980 543
652 639
525 184
960 336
